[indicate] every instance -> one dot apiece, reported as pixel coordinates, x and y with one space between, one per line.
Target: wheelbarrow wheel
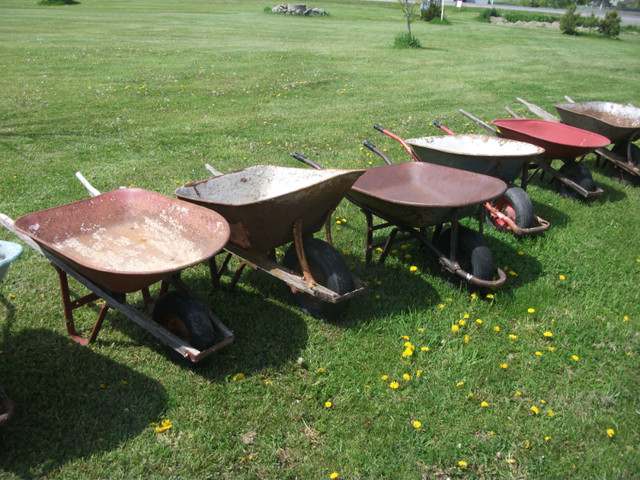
473 255
187 319
328 269
516 204
580 174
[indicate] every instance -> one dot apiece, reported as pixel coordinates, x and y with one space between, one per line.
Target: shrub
431 12
406 40
487 13
569 21
513 17
610 26
590 22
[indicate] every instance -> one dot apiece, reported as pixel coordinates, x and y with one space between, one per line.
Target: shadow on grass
69 402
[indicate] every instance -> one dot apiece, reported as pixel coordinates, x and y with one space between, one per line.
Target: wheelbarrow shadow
69 402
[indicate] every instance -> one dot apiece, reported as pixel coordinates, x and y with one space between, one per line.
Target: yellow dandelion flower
334 475
625 318
535 410
425 349
575 357
385 377
417 425
484 404
539 354
237 376
321 370
455 328
459 384
531 310
518 393
474 296
490 296
394 385
479 321
513 337
418 373
413 268
551 349
462 323
328 404
611 432
562 277
462 463
405 337
496 328
520 252
406 376
546 439
466 339
504 366
441 305
510 461
548 334
550 413
471 395
466 316
512 273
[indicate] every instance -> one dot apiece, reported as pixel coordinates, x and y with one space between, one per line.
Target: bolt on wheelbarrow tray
124 241
270 206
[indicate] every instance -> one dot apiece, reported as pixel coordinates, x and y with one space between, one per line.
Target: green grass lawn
145 92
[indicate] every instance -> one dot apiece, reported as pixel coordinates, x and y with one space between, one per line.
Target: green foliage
486 14
570 20
439 21
513 17
431 12
590 22
610 25
406 40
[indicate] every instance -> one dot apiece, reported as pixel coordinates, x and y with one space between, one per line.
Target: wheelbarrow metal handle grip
306 160
377 151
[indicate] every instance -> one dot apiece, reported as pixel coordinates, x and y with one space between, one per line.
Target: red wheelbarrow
559 141
619 123
498 157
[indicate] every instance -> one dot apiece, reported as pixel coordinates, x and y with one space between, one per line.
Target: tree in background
408 6
610 26
569 21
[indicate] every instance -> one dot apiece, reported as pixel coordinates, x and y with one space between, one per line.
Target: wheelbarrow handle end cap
378 127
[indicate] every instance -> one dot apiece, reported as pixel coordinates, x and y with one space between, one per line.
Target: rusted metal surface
497 157
127 239
423 194
615 121
558 140
261 203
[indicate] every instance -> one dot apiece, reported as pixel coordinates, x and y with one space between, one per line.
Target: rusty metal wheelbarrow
270 206
498 157
412 196
124 241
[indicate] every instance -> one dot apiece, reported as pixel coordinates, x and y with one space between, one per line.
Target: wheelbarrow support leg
302 258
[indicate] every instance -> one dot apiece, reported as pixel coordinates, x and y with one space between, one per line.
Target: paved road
628 18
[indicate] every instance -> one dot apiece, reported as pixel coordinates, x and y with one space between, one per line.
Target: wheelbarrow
559 141
412 196
270 206
9 252
619 123
497 157
122 242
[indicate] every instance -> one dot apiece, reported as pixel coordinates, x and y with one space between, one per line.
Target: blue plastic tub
9 252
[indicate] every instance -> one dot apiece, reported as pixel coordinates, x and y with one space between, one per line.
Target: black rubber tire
580 174
473 256
516 204
187 319
328 269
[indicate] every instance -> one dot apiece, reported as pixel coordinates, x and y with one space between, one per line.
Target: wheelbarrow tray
497 157
261 203
127 239
424 194
615 121
558 140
